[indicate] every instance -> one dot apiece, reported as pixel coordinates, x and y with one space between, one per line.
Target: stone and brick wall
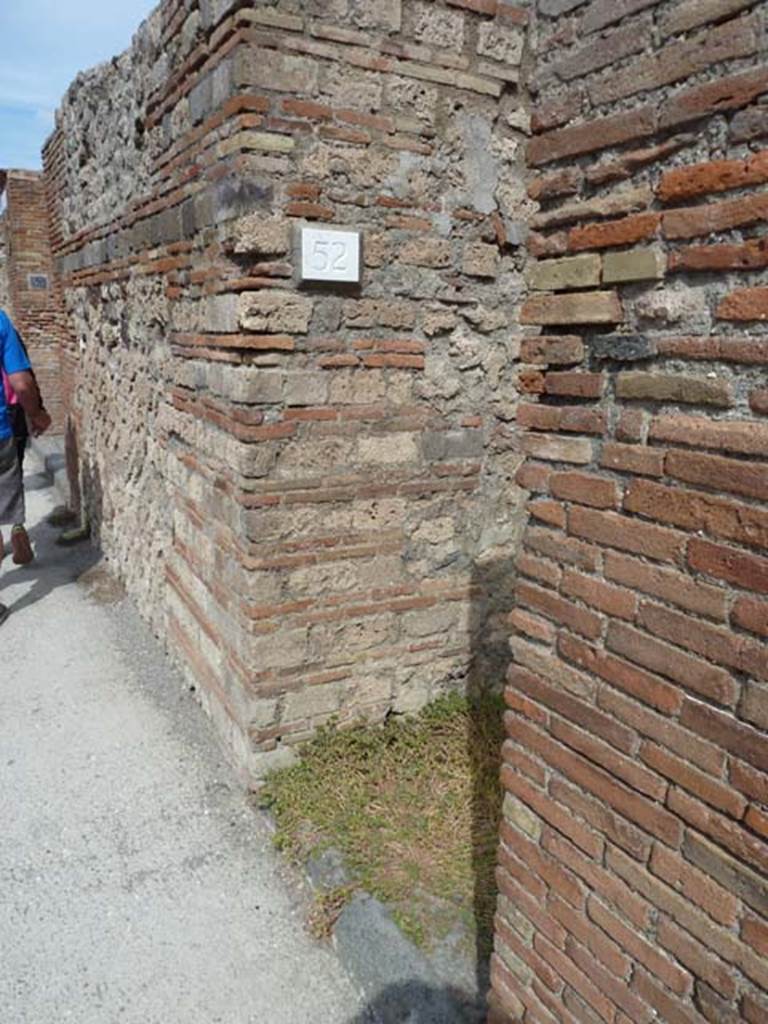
317 496
309 491
31 296
634 852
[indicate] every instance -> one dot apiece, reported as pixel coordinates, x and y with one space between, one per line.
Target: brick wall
33 299
5 298
309 491
634 851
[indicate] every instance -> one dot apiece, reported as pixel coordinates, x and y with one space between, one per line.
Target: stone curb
396 978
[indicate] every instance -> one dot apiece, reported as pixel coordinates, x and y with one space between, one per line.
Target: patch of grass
327 906
414 807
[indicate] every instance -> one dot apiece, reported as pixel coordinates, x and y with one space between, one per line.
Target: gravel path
138 886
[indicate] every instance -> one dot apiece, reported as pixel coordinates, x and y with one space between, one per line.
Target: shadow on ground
412 1002
459 993
54 565
450 986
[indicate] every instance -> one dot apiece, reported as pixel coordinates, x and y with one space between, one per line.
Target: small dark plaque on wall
38 282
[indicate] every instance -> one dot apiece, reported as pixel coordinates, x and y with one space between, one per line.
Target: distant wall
310 492
5 297
634 851
31 296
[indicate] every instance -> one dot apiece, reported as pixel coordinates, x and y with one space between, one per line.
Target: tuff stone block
266 69
634 265
437 27
427 252
221 314
569 272
261 236
501 43
575 308
480 260
674 388
274 312
455 444
383 14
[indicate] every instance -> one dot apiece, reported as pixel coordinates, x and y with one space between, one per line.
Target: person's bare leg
20 543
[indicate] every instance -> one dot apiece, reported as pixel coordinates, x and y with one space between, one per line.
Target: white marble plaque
330 255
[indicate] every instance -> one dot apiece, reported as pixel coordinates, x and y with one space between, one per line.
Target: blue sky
44 44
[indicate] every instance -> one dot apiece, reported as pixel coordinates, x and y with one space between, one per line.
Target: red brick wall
36 311
634 852
5 299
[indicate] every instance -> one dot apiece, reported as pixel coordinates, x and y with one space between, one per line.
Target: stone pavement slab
137 885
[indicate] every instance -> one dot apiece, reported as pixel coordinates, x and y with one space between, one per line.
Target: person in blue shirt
15 363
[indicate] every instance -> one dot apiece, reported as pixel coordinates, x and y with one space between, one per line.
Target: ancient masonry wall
31 296
634 851
310 492
317 496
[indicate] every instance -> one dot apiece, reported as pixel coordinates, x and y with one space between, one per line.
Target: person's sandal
21 547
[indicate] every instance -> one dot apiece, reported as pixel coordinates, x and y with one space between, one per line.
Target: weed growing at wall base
413 805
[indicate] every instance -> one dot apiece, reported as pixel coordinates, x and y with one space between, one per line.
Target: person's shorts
12 509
